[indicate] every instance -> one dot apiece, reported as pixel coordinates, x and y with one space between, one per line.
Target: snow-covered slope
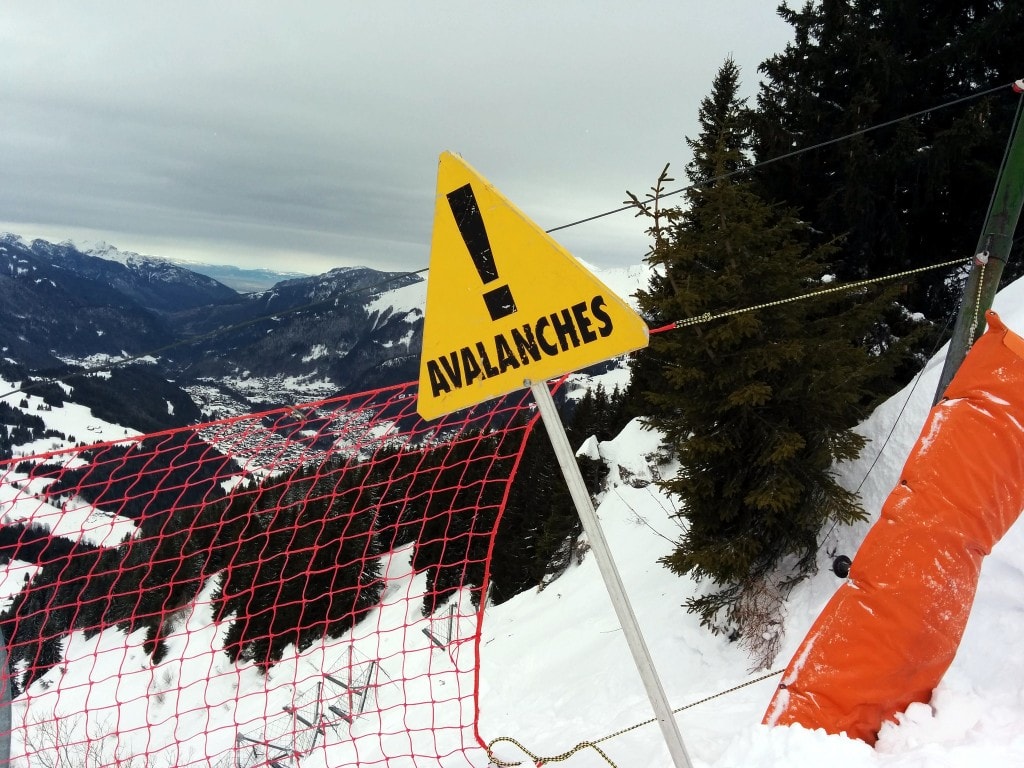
555 670
75 423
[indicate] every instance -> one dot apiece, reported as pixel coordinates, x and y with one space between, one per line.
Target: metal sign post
507 305
5 705
992 252
616 590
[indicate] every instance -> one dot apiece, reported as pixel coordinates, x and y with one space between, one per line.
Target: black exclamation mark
499 300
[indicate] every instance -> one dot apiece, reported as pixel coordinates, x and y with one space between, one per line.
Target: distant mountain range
63 310
242 279
150 344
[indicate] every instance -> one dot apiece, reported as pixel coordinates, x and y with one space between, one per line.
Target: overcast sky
305 135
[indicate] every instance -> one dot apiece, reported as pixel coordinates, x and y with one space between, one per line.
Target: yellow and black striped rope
709 316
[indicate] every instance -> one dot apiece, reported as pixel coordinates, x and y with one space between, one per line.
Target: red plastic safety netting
301 587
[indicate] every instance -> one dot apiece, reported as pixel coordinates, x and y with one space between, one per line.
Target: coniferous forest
872 147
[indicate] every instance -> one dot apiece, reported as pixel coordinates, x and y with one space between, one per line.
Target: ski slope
554 667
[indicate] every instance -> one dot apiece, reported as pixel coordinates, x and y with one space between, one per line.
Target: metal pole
5 705
350 661
616 590
992 253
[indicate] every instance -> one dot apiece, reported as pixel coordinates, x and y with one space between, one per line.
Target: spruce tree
756 406
912 192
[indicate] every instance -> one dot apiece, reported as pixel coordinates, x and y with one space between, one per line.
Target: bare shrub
63 742
757 616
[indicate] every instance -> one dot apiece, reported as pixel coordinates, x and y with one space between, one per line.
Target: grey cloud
256 128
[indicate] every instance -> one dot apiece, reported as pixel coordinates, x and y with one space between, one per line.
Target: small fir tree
757 406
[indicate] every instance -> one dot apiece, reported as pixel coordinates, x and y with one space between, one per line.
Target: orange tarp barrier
888 635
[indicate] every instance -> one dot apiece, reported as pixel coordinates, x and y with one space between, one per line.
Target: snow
409 299
404 342
75 421
103 360
104 250
577 384
557 671
554 667
315 353
13 579
624 281
22 501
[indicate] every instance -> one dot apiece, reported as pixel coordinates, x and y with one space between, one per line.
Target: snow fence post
613 583
991 253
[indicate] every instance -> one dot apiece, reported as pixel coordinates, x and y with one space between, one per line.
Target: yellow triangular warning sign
506 304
